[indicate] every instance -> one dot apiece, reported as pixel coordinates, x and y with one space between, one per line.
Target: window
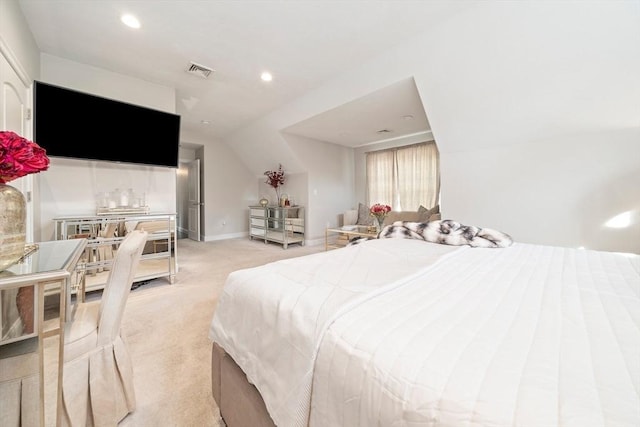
404 177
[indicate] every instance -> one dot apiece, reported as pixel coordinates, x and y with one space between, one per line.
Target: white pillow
350 217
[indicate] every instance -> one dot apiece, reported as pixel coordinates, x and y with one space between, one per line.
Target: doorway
189 203
194 203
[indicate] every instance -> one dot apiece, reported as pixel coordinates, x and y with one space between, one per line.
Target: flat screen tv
73 124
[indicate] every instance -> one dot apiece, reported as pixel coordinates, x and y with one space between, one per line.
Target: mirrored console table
105 232
284 225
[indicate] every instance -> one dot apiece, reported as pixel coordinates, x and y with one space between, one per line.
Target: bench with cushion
361 215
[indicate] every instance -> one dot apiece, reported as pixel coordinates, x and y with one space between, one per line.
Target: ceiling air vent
199 70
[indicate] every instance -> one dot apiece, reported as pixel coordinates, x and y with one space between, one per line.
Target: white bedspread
396 332
524 336
270 319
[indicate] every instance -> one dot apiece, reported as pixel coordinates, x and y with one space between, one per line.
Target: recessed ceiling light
130 21
266 76
407 117
205 122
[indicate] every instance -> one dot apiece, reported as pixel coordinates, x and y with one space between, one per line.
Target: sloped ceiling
388 113
303 43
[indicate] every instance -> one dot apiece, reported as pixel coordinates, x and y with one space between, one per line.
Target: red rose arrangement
380 211
20 157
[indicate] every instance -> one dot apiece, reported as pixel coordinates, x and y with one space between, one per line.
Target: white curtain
404 177
380 178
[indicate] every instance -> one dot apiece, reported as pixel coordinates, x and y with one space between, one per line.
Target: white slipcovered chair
105 253
97 384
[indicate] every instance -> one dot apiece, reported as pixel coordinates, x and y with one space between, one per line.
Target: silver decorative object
12 225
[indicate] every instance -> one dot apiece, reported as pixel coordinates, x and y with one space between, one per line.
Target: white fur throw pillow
447 232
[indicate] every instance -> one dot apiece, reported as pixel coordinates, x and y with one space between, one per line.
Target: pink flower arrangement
20 157
380 211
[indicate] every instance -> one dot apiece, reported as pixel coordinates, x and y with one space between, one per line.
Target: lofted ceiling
303 43
388 113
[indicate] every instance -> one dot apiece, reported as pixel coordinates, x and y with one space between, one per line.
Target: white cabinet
284 225
105 232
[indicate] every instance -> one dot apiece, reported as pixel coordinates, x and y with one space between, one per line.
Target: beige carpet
166 327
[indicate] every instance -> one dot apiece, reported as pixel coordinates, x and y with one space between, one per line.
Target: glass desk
345 234
51 264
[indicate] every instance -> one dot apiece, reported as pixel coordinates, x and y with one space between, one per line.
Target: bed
403 332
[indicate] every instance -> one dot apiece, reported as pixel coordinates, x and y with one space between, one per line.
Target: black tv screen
77 125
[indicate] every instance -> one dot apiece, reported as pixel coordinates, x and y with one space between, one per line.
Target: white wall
228 188
535 107
69 186
536 111
329 186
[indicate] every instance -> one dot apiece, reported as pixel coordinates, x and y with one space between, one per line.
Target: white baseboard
226 236
310 242
314 242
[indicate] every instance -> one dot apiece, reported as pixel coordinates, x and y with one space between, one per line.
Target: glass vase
13 211
378 220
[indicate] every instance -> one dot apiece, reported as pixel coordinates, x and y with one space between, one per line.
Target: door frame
194 202
10 75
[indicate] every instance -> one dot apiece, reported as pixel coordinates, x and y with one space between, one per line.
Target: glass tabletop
48 258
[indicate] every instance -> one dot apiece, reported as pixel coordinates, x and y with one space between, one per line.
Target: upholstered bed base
239 401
